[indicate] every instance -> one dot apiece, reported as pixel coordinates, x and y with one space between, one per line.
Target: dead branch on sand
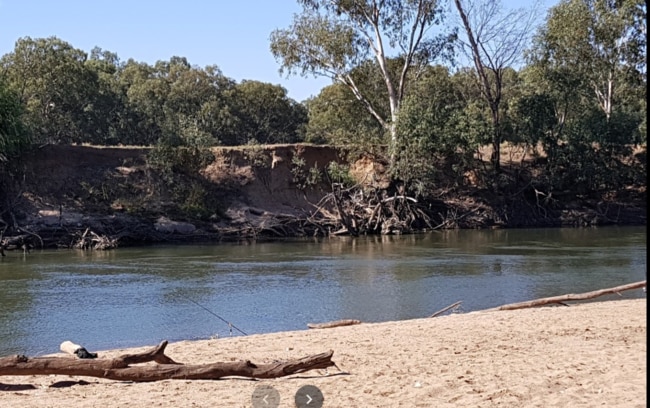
444 309
121 369
564 298
337 323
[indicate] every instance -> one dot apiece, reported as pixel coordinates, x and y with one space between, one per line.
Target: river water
140 296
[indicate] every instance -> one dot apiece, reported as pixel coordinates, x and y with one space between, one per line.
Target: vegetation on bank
573 87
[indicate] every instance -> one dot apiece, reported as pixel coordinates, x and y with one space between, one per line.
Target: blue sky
234 35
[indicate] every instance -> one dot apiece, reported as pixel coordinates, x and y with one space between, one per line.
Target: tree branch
564 298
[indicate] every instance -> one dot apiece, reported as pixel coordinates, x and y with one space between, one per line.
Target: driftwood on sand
122 369
569 297
450 307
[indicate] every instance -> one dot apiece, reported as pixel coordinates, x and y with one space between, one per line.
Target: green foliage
177 174
304 177
340 174
175 100
53 82
267 115
256 155
599 44
14 135
96 194
592 157
336 117
435 127
197 203
534 119
317 42
168 159
336 38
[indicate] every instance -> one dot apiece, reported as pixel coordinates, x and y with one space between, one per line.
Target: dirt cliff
99 197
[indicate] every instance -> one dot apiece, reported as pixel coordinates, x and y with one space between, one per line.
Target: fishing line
232 326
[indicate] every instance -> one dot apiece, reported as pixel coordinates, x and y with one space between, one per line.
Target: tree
495 39
13 132
51 79
331 38
145 96
587 68
435 124
602 41
267 114
336 117
178 103
198 108
107 113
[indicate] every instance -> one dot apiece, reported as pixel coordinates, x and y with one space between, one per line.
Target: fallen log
121 369
443 310
336 323
564 298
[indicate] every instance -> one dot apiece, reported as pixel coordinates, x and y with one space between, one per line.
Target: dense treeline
579 92
71 97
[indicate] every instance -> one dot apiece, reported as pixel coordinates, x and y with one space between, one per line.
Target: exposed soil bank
106 197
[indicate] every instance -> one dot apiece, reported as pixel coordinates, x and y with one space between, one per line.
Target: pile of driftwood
356 211
19 242
351 211
91 240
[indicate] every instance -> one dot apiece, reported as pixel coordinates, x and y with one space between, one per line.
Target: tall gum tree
494 39
332 37
602 41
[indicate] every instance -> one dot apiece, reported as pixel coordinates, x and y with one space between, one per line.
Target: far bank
102 198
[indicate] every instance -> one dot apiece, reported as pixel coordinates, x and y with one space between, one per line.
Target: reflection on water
140 296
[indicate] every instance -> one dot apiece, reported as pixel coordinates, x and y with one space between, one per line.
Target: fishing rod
232 326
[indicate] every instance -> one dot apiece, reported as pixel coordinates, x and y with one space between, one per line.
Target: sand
586 355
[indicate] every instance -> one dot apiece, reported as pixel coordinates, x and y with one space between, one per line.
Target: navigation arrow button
309 396
265 396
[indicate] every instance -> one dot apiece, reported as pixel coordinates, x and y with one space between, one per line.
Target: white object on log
69 347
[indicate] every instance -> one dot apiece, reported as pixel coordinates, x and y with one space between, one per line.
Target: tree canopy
398 81
333 38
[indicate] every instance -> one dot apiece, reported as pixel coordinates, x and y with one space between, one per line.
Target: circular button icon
265 396
309 396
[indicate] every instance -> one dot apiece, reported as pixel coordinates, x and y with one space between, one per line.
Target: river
140 296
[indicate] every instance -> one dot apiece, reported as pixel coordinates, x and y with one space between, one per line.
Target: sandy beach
586 355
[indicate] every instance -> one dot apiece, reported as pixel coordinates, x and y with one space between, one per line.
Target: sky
233 35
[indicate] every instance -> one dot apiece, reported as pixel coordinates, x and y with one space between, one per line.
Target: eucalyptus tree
267 114
145 95
51 79
438 133
107 112
199 105
601 41
588 63
14 134
495 40
178 103
332 37
336 117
